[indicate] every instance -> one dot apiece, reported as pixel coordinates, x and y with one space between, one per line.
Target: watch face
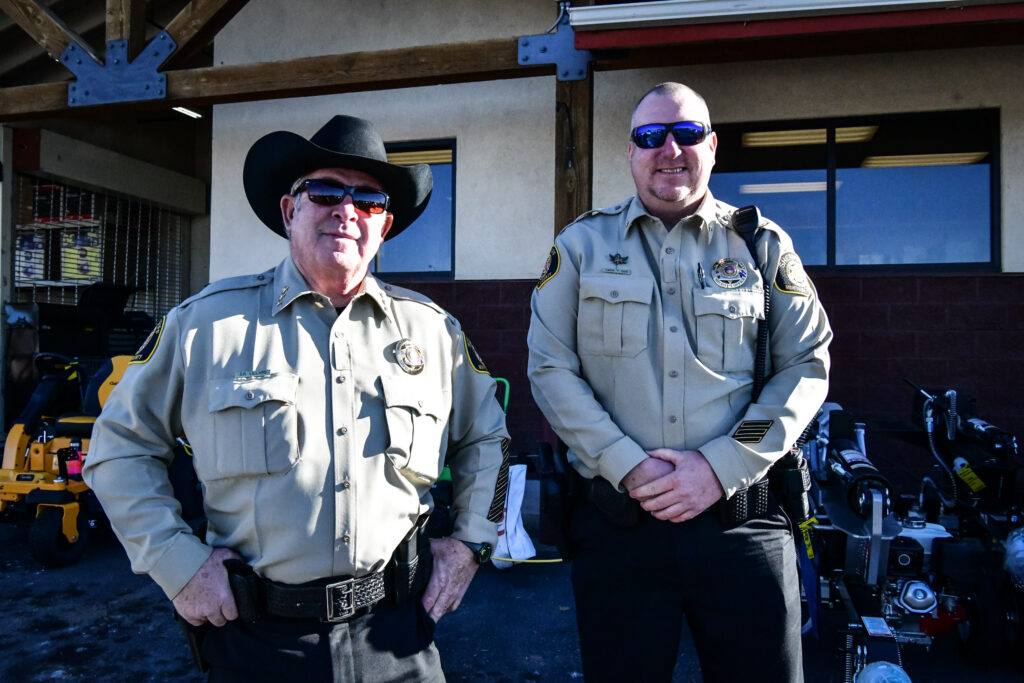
483 553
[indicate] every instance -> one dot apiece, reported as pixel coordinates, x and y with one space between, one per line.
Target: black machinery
904 570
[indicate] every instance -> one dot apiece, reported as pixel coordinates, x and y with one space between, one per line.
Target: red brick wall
964 332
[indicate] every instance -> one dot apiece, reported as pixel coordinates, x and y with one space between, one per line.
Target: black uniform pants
391 643
737 588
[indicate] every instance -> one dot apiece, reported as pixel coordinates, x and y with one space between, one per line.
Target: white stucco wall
505 130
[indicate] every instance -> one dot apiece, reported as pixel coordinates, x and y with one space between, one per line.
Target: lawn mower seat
102 383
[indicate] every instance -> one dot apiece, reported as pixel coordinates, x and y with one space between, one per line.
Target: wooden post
126 20
574 149
8 205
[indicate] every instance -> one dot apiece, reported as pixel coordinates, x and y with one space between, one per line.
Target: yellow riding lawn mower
41 478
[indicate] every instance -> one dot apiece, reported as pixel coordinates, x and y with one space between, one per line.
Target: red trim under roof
833 23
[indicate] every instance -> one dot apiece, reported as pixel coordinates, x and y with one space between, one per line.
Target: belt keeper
246 589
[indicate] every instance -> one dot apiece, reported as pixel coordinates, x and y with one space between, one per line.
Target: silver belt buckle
340 600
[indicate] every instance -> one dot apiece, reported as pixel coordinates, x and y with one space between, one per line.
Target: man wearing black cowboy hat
320 405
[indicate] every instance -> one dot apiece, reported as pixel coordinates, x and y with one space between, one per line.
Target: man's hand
689 489
454 568
644 473
207 595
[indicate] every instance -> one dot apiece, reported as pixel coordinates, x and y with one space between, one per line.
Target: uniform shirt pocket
255 427
726 323
416 415
614 315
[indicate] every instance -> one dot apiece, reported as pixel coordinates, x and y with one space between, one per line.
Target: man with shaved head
642 357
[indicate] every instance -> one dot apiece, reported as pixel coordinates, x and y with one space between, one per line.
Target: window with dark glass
898 191
427 248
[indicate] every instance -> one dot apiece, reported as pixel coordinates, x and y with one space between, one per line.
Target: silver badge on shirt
409 356
728 273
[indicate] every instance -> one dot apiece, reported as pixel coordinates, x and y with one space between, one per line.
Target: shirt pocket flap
250 392
406 392
737 304
616 288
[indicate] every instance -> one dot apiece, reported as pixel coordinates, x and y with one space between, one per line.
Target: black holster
790 483
404 562
246 588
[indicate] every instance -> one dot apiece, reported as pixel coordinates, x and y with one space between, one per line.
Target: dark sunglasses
327 192
686 133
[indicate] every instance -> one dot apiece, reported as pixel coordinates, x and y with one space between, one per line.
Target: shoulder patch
475 361
550 267
145 351
791 277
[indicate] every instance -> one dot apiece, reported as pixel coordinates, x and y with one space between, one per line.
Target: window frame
991 121
431 275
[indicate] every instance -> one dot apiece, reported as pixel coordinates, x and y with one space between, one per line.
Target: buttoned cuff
475 529
618 460
179 563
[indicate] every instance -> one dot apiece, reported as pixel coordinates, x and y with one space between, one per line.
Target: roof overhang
882 25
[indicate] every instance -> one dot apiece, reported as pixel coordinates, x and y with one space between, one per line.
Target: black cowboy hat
278 159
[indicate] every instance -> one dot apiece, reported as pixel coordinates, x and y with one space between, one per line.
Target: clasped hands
674 485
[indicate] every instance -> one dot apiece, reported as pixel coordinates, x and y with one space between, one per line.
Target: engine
896 571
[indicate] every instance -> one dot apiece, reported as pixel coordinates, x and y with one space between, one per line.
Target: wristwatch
481 551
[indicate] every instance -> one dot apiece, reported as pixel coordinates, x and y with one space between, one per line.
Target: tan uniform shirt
316 450
632 349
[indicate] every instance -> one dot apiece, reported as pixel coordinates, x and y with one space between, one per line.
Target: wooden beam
196 25
574 150
358 71
38 21
126 20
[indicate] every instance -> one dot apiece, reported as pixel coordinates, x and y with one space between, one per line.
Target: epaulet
396 292
228 284
607 211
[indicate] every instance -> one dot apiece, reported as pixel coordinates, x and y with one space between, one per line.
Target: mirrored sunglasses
327 192
686 133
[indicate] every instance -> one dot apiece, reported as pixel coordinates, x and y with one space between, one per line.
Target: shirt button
673 419
671 290
346 485
346 538
343 431
732 309
615 293
673 329
339 380
249 395
670 250
673 373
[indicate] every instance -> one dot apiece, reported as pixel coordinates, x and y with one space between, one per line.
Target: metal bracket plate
558 48
118 80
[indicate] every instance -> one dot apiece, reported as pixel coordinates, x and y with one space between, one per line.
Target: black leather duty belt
625 512
331 601
745 504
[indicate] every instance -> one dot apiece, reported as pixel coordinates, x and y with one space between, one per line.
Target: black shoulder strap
745 222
